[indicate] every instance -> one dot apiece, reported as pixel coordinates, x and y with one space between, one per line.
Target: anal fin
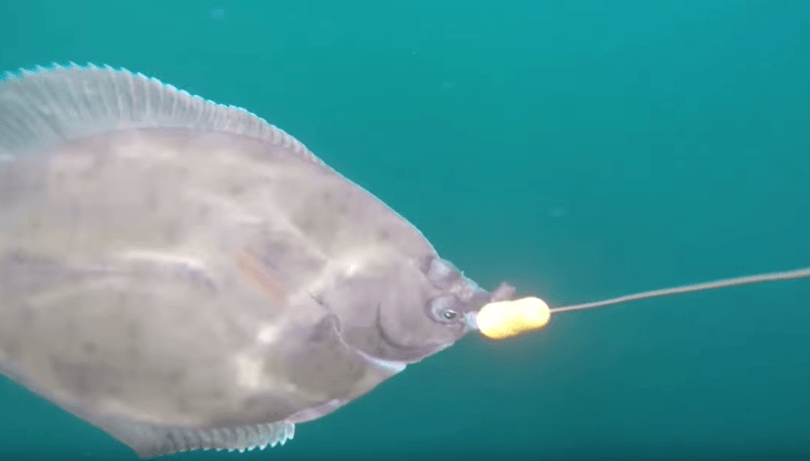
150 440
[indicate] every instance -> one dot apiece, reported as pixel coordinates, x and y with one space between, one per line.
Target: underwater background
579 149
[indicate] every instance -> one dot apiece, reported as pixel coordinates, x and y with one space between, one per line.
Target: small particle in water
218 13
557 212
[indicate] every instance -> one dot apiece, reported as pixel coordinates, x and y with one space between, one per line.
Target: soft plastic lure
507 319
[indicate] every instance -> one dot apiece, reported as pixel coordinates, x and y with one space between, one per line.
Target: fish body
185 275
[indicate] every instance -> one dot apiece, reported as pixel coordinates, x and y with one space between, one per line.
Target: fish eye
444 309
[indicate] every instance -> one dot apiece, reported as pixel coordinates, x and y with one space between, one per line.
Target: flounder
185 275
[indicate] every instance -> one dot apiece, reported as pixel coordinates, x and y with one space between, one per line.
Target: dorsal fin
49 105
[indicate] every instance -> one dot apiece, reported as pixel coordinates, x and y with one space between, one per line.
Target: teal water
579 149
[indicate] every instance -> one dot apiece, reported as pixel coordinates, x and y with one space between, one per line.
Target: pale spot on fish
141 149
267 334
163 257
249 371
75 163
233 210
351 267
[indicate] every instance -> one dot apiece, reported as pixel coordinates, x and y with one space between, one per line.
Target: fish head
402 311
